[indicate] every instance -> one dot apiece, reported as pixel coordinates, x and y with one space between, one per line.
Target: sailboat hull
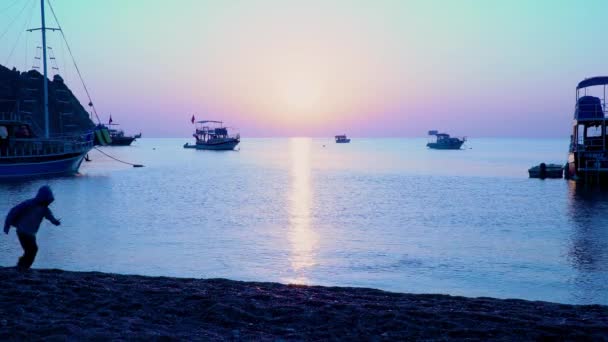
64 166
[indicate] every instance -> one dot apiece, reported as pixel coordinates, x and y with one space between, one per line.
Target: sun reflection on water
302 238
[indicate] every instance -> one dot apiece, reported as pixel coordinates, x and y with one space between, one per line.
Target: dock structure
588 157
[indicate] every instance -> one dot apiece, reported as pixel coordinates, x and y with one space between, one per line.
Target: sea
381 213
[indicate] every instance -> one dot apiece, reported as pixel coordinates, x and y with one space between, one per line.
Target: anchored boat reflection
588 250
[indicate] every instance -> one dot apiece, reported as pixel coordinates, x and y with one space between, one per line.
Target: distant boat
119 138
546 171
24 152
212 135
443 141
342 139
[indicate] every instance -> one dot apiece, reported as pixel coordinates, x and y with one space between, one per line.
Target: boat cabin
588 157
209 130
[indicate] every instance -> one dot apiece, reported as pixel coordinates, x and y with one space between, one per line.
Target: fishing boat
118 137
342 139
588 152
212 135
444 141
26 150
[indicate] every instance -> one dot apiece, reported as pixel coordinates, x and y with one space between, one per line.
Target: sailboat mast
45 86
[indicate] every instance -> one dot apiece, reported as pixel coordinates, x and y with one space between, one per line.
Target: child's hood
45 195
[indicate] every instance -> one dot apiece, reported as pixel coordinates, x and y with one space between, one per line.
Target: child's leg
28 243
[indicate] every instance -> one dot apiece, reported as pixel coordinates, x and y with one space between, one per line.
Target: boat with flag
118 136
26 150
213 135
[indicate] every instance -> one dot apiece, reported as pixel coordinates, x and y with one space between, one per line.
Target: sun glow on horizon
316 68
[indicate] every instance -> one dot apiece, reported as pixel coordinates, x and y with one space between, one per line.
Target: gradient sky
321 67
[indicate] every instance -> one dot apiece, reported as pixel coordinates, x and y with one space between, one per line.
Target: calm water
384 213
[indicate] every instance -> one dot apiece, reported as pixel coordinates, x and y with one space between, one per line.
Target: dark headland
22 92
76 305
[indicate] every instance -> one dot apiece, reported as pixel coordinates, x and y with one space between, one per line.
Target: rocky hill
22 92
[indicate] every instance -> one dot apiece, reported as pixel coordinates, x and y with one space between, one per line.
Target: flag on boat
110 121
192 120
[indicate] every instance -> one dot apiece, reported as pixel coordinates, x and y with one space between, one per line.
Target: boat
546 171
588 152
29 151
118 137
444 141
342 139
212 135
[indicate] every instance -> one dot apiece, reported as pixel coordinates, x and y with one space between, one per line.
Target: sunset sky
320 67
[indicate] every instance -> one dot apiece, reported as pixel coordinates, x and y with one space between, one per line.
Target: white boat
212 135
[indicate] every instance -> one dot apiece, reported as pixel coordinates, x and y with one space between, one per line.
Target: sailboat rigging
25 154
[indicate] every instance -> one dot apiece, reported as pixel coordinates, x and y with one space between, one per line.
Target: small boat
119 138
212 135
443 141
342 139
546 171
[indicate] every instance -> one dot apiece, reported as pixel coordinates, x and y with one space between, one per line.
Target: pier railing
36 147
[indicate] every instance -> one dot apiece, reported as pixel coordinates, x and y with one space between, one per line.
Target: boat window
3 132
594 131
580 133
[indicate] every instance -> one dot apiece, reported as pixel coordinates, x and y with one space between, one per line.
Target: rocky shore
55 304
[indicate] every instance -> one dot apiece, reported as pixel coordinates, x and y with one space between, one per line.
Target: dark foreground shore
58 304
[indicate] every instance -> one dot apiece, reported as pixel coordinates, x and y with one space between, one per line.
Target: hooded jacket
27 215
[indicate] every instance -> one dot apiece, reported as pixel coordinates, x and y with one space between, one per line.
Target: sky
383 68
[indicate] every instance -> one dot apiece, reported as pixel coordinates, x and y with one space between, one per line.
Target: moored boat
24 154
546 171
212 135
26 150
444 141
119 138
342 139
588 152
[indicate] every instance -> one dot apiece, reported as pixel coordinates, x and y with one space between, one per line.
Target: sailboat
26 150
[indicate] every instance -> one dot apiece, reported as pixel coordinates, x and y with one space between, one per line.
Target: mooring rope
116 159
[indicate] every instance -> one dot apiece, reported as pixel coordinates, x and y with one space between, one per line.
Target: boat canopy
209 121
593 81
